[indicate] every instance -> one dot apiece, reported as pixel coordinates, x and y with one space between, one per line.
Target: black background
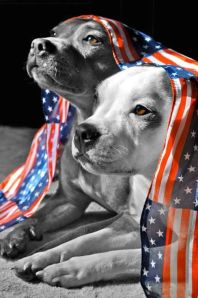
170 22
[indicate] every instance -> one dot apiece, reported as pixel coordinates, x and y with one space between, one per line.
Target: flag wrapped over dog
169 224
23 190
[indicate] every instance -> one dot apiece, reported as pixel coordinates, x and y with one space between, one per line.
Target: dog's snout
42 46
86 134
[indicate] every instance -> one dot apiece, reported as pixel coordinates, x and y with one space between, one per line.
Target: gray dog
71 63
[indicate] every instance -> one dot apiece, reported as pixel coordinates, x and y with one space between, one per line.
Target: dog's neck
140 184
83 103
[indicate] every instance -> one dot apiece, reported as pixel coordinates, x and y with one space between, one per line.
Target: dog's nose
42 46
85 135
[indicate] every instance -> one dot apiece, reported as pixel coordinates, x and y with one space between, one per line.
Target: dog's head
76 57
127 131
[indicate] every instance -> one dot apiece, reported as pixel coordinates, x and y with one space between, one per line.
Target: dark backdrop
170 22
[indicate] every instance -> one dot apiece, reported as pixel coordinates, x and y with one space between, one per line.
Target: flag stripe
195 261
166 277
181 257
189 256
185 124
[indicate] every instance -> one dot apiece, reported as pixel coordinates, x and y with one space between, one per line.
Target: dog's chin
43 79
46 80
102 168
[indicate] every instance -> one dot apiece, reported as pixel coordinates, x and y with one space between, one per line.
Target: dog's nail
26 266
39 274
56 282
12 268
10 245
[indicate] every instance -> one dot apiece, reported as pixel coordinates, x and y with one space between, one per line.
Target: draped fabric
169 223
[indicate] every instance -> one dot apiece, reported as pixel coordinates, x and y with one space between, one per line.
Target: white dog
124 135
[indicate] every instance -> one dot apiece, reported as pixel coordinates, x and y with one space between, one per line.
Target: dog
71 63
123 137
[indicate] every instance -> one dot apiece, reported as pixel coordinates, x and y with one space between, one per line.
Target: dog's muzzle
85 136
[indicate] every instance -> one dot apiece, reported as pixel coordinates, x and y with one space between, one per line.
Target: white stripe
173 253
12 190
11 211
179 61
12 179
174 113
6 205
49 129
114 40
155 60
189 255
54 148
126 45
63 110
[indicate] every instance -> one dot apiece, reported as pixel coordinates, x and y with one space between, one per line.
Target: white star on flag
181 178
144 228
161 211
49 108
160 233
196 203
159 255
145 272
54 99
153 264
152 242
148 287
177 201
146 249
157 278
191 169
148 206
148 39
188 190
193 134
151 220
43 100
187 156
47 91
195 148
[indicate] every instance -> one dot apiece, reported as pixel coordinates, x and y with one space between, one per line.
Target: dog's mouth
49 73
98 163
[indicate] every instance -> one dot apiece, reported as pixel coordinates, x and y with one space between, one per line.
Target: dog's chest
92 187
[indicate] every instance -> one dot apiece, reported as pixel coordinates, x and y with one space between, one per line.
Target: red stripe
134 53
181 256
166 260
182 57
16 214
195 262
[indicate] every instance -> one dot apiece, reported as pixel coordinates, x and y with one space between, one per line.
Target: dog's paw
27 267
75 272
16 241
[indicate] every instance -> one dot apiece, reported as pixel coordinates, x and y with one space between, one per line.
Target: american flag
23 190
169 224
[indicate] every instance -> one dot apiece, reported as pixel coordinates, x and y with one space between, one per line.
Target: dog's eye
92 40
141 110
53 33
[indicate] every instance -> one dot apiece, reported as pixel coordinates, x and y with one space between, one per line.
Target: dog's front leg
82 270
57 212
123 233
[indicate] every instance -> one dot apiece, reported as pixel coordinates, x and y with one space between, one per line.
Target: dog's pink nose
86 135
42 46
